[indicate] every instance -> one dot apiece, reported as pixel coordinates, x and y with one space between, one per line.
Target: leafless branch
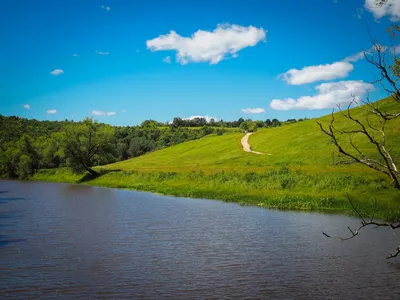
375 135
364 223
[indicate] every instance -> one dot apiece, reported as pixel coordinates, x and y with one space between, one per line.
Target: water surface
66 241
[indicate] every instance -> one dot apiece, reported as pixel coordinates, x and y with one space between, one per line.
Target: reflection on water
66 241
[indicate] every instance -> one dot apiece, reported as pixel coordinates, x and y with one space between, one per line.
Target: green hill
303 143
296 171
300 146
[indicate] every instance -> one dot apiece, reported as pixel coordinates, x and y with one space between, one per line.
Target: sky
123 62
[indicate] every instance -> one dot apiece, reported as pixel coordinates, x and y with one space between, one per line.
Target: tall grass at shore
278 189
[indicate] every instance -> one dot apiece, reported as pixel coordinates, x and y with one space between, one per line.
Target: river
75 241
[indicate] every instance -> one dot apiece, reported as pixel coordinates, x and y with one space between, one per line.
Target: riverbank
281 188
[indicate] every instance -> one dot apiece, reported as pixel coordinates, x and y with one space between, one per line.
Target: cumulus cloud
209 46
336 70
329 95
57 72
107 8
340 69
167 59
52 111
207 117
391 9
101 113
27 106
102 53
253 110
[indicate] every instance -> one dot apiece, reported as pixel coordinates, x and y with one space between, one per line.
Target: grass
302 144
298 175
278 189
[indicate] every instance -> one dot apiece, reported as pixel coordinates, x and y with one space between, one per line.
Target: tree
151 124
249 126
81 142
275 123
372 128
177 122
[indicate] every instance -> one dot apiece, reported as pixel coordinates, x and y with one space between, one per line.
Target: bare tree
366 223
371 126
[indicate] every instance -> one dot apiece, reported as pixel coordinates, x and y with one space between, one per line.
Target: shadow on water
5 240
7 215
7 219
6 200
394 265
89 176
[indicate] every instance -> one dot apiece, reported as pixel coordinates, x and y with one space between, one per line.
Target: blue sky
123 61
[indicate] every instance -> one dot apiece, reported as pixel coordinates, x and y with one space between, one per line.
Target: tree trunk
91 171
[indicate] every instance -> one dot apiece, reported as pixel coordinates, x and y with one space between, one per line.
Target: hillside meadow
296 172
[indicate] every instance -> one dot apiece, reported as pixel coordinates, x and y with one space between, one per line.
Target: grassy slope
303 144
297 175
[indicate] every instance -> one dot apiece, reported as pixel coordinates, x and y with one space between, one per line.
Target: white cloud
355 57
52 111
102 53
253 110
340 69
101 113
124 110
167 59
75 55
336 70
107 8
391 9
206 46
98 113
329 96
27 106
207 117
57 72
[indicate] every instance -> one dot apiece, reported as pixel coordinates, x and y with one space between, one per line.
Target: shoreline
249 189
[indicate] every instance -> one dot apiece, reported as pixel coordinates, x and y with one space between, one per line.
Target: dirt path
246 146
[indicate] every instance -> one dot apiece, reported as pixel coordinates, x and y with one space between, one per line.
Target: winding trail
246 146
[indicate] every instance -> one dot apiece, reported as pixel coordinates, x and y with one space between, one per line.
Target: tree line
29 145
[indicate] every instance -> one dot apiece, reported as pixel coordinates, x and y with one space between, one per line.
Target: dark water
67 241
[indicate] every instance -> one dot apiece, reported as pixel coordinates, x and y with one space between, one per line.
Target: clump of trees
200 122
29 145
86 144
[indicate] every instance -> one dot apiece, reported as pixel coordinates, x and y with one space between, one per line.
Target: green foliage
151 124
86 144
20 159
248 126
48 140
